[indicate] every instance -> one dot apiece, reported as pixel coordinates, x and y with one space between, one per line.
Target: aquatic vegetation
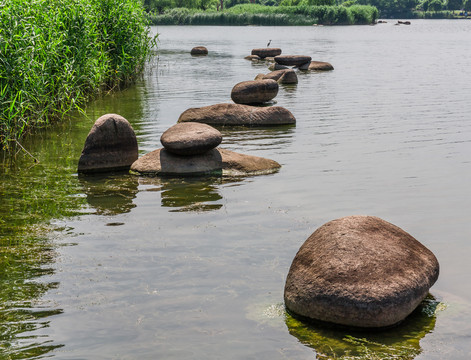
253 14
55 55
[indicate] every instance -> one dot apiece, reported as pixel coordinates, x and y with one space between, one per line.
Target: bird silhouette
269 43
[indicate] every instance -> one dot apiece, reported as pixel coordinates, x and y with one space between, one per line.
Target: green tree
454 4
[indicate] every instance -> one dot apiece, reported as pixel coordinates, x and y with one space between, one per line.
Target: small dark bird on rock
269 43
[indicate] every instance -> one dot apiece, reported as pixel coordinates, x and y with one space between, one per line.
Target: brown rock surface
190 138
266 52
292 60
254 92
241 164
359 271
284 76
199 50
111 145
320 66
238 115
163 162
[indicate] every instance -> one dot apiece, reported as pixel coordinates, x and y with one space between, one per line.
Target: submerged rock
241 164
292 60
284 76
275 66
254 92
190 138
161 162
111 145
253 58
238 115
359 271
266 52
199 50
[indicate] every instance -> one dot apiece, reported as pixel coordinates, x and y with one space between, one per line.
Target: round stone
292 60
320 66
199 50
254 91
190 138
359 271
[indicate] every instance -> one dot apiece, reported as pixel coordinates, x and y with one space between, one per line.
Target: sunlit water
195 269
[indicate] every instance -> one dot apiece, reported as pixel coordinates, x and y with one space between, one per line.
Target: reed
57 54
254 14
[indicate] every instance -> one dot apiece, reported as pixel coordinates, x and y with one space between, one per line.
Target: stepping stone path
199 50
238 115
254 91
359 271
111 145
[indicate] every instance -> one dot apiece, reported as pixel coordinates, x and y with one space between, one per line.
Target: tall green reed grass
254 14
57 54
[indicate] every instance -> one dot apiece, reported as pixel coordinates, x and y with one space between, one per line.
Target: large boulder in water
238 115
292 60
163 162
266 52
111 145
359 271
254 92
190 138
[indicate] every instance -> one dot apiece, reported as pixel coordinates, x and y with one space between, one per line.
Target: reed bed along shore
57 54
253 14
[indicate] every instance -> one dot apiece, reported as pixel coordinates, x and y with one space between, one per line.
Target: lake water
146 268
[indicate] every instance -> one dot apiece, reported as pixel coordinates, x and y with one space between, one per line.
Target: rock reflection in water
110 194
190 193
401 342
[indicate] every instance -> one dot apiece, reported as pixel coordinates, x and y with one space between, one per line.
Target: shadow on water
400 342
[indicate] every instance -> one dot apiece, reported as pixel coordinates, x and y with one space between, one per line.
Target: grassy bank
56 54
252 14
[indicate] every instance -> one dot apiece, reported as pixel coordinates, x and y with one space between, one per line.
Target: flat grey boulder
359 271
199 50
111 145
254 92
163 162
238 115
292 60
284 76
190 138
266 52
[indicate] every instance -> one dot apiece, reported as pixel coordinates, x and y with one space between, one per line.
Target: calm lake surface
147 268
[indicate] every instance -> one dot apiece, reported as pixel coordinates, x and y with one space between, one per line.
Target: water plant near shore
55 55
253 14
